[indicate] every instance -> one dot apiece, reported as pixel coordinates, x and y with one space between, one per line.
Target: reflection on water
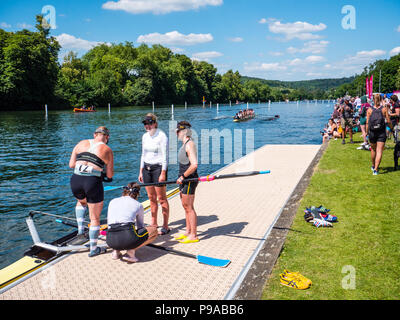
35 151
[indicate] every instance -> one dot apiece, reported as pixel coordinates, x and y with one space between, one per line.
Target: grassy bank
366 238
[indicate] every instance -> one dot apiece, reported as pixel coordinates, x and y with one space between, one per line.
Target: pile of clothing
319 216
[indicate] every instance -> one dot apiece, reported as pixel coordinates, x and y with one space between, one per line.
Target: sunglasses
148 122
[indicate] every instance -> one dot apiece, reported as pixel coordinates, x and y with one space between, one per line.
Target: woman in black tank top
377 137
187 158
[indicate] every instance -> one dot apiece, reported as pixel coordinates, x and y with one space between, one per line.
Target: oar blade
108 188
214 262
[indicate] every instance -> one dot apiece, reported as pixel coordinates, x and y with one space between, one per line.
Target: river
35 151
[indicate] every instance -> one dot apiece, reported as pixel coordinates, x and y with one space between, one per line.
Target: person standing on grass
363 119
154 168
347 120
394 110
376 129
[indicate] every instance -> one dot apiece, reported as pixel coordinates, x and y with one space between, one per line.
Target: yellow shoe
189 241
292 282
291 274
180 237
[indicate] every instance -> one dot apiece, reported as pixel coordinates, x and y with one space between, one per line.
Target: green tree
231 81
29 68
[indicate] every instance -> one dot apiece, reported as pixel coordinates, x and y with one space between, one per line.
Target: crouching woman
126 230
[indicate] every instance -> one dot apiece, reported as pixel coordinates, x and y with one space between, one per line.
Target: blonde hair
377 100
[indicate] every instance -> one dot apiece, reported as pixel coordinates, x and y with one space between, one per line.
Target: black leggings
124 236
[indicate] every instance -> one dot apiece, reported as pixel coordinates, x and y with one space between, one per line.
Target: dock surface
235 217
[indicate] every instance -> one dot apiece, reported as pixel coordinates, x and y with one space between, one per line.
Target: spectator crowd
377 119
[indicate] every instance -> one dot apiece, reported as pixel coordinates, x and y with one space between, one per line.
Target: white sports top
93 145
155 149
125 209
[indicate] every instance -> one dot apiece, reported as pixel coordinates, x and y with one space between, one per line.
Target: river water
35 151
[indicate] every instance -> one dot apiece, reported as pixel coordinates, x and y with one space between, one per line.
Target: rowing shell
35 258
83 110
245 119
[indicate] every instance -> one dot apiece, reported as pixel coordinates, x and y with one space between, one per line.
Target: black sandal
164 231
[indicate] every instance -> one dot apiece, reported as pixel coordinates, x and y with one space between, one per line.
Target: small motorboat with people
244 115
85 109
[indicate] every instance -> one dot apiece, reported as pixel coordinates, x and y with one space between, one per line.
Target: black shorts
151 173
124 236
377 136
87 187
188 188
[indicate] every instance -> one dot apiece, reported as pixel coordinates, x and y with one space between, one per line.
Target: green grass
367 236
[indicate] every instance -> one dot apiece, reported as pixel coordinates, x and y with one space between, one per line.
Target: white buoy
185 105
153 106
210 104
109 108
45 108
217 107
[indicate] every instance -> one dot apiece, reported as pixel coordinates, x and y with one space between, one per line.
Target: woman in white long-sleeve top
154 168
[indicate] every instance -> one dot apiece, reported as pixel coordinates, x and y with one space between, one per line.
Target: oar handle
200 179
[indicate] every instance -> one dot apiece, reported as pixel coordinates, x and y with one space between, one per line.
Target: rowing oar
201 259
200 179
214 262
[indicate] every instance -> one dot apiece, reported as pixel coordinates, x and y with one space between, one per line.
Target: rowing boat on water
244 119
35 258
83 110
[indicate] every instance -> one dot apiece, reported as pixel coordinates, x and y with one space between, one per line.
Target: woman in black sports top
93 163
187 158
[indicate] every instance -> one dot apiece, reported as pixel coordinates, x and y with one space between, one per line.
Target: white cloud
308 60
263 21
158 6
395 51
314 59
276 53
398 29
177 50
175 38
206 56
362 58
315 47
5 25
264 67
68 41
314 74
24 25
300 30
236 39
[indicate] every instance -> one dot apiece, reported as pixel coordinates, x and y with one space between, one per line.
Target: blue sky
271 39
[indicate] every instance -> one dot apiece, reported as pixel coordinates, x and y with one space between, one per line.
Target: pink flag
371 86
367 86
